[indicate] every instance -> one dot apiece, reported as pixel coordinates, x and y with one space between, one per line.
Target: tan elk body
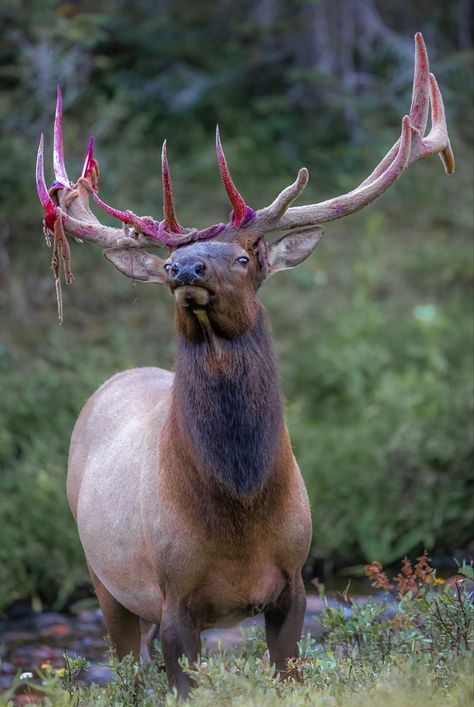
189 503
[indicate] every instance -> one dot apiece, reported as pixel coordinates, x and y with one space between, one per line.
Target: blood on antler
66 206
67 211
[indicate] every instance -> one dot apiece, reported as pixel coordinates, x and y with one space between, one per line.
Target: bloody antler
66 206
60 173
168 199
241 213
53 225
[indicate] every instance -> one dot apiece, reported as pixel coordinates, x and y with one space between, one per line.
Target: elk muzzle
188 276
188 272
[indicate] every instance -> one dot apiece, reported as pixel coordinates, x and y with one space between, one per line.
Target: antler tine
60 173
240 211
288 195
410 147
420 104
90 170
48 205
168 199
437 141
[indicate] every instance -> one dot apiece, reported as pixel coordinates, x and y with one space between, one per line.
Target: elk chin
192 296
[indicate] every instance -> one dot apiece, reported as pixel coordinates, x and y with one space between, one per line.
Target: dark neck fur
229 407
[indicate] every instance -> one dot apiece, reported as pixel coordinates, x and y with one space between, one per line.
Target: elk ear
292 249
137 264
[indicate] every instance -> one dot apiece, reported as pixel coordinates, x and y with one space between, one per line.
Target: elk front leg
179 636
283 626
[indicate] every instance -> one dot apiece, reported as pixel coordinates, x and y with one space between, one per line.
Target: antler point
419 39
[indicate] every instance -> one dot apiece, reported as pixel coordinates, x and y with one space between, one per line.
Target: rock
51 624
99 674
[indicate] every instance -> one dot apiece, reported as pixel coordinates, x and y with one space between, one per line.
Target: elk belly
234 593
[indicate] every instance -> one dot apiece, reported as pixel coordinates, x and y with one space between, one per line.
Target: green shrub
378 377
416 656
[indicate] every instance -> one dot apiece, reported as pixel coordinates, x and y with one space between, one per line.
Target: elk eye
243 260
167 266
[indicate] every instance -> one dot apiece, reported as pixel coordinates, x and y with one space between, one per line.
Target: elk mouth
192 296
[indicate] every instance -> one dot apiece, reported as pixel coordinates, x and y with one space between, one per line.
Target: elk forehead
207 250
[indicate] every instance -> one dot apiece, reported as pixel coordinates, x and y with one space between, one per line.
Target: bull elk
189 502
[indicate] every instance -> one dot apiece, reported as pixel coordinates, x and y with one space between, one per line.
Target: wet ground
30 640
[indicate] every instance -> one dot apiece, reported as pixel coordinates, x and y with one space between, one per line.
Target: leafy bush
380 390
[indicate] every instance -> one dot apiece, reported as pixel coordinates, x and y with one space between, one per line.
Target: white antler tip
303 176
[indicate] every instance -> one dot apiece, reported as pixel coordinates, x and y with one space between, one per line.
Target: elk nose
188 273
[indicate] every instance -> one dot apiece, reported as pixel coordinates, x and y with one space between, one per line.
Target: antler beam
410 147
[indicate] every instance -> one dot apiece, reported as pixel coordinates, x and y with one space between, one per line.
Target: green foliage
374 334
416 656
379 389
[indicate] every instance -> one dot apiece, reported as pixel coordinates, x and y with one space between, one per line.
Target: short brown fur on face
231 280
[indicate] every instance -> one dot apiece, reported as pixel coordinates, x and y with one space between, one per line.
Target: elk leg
283 626
179 636
122 626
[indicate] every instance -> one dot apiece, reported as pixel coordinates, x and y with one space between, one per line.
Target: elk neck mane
229 408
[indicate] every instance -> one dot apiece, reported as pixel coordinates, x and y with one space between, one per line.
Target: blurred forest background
374 332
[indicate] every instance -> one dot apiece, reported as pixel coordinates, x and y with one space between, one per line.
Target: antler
66 204
69 202
67 210
411 146
241 213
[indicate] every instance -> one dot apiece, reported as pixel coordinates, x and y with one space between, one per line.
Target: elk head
215 273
